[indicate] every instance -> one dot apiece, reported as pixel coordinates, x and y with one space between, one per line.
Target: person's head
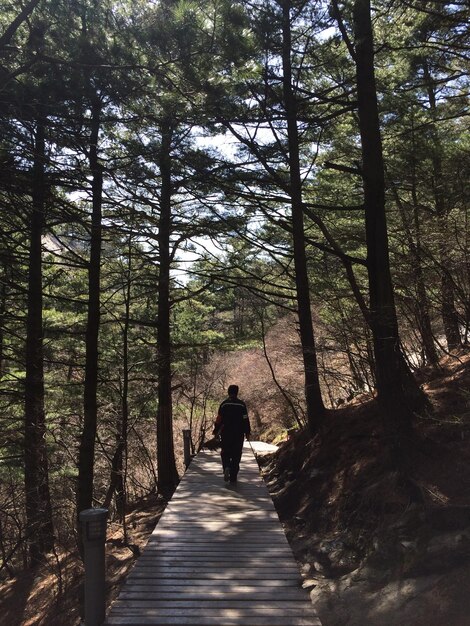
233 391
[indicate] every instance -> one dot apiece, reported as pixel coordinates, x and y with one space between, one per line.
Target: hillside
369 554
262 373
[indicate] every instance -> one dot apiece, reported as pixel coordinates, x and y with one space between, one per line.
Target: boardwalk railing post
187 447
93 526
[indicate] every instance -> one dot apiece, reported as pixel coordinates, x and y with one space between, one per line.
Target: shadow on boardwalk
218 557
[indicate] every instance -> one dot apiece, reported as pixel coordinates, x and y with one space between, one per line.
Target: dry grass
50 596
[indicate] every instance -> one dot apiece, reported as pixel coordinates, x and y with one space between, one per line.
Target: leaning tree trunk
39 527
397 391
167 473
314 401
22 16
90 402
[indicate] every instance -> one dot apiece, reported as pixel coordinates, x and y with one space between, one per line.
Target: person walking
232 424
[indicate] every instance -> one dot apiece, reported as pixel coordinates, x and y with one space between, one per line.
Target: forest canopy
185 183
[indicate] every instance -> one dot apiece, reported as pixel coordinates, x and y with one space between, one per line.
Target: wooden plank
213 574
245 558
187 510
230 562
216 569
201 620
233 618
265 551
212 592
206 580
252 609
274 614
146 589
212 604
262 539
172 548
213 526
212 579
256 550
213 559
222 530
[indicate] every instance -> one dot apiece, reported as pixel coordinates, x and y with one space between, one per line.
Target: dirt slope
370 555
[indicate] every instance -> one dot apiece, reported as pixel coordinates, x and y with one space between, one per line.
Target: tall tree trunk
90 402
167 473
466 250
424 318
314 401
3 309
38 503
122 446
118 484
449 314
422 307
421 311
397 391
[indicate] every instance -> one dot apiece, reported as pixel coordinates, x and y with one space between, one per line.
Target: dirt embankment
371 555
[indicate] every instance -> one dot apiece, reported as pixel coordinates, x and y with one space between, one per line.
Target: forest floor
50 596
369 555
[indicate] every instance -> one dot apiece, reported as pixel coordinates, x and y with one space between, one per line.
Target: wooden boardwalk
218 557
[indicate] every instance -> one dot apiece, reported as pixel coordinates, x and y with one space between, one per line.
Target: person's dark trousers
231 454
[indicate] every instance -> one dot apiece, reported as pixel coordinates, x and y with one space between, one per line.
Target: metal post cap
93 522
89 515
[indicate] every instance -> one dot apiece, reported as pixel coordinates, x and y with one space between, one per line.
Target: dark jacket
232 420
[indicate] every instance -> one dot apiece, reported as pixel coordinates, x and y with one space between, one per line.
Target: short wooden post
187 447
93 524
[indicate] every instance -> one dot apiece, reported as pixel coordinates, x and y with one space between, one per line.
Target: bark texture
398 393
167 473
90 402
450 318
313 396
39 530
